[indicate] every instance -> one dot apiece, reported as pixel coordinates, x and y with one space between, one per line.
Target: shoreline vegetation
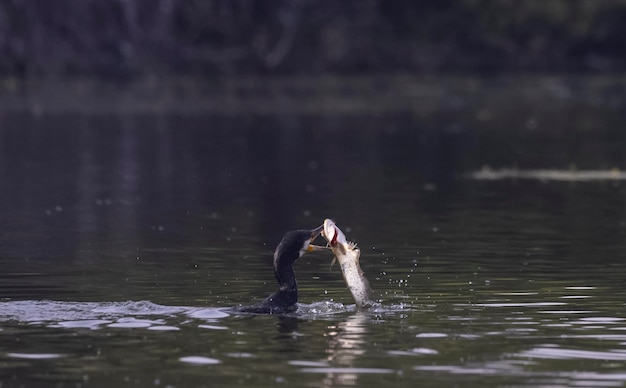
374 94
130 40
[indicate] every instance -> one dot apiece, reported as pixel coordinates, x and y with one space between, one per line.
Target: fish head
332 233
337 241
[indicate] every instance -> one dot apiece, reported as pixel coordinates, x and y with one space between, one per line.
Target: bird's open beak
314 233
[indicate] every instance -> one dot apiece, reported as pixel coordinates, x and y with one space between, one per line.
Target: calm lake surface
491 218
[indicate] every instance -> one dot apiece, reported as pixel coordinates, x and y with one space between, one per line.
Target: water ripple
558 353
525 304
34 356
414 352
93 315
347 370
199 360
552 378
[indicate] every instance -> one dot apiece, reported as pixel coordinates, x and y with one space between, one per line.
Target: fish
348 254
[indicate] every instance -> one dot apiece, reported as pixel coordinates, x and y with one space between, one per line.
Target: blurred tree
135 37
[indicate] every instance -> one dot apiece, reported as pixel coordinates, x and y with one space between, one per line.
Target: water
126 237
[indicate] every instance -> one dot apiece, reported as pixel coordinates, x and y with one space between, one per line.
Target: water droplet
531 123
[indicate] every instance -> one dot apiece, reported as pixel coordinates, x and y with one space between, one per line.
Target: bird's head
294 244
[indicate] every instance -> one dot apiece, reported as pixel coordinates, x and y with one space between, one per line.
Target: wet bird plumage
293 245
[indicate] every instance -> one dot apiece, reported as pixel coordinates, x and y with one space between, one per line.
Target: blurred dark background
131 120
130 38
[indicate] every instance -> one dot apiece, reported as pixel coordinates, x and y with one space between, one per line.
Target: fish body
348 254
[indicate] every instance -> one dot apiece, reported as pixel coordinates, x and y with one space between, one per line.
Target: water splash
94 315
147 315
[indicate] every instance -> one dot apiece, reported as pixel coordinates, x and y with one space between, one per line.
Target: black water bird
293 245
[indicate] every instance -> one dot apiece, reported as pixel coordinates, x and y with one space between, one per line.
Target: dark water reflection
126 237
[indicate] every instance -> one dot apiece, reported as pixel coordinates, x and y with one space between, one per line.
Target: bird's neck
286 276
